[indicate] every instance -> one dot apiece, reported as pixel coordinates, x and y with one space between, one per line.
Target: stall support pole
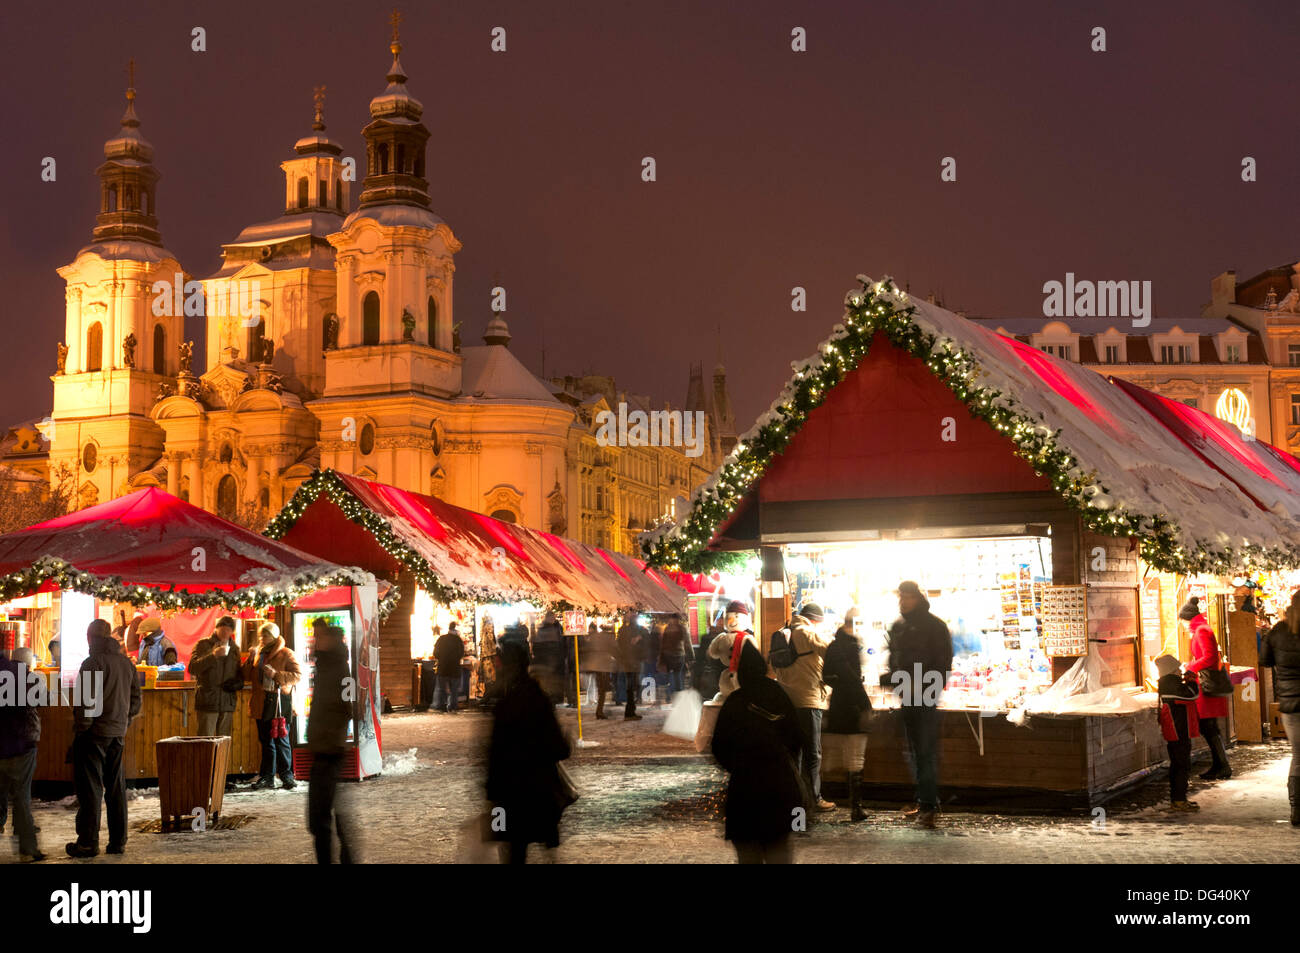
577 675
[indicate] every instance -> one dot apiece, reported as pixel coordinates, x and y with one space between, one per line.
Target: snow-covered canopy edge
879 306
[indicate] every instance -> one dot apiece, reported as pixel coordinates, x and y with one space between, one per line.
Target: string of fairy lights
51 569
880 307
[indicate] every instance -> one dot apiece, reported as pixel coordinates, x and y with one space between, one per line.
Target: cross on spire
318 96
130 78
395 18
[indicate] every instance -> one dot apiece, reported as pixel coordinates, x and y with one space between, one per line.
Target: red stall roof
459 554
150 547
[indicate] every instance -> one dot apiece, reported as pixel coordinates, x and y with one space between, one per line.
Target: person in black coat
844 732
524 787
1280 651
707 669
448 650
327 735
757 741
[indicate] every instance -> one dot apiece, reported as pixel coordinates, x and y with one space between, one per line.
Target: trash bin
191 777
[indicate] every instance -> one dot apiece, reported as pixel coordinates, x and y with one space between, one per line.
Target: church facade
330 341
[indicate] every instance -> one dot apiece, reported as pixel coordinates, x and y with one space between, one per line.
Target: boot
1222 770
1293 792
855 797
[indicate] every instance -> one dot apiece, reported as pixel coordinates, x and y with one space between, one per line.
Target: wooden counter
165 711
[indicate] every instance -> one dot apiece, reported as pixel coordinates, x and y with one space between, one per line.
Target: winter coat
601 653
522 777
287 673
757 741
672 646
220 677
803 680
842 672
120 697
1178 721
633 645
20 725
449 650
1280 651
1205 655
157 647
707 669
548 633
327 722
919 637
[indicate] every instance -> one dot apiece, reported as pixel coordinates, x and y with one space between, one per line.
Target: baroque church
330 342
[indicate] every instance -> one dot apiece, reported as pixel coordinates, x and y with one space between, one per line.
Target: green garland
873 309
328 483
113 589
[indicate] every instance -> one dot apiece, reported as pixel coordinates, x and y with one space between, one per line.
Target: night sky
775 168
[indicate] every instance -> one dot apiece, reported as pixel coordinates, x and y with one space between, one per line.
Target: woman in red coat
1205 655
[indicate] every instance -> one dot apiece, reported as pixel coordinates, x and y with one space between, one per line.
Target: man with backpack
797 658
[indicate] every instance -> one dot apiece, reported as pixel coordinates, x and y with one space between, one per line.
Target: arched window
159 349
95 347
419 163
128 205
264 498
367 442
323 198
383 158
370 318
256 337
433 322
112 198
338 194
401 158
227 498
225 454
302 192
504 516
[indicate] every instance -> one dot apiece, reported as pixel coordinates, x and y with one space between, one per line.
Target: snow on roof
125 249
491 372
1091 326
320 224
396 216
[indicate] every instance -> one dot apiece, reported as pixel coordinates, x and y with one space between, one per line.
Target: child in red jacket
1179 725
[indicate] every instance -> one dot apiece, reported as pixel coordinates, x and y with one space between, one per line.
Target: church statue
187 355
128 350
455 337
331 331
63 357
268 351
408 326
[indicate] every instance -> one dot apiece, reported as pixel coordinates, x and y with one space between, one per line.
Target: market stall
1027 495
157 554
495 580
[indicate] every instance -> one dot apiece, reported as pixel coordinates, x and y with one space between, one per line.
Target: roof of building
1093 326
491 373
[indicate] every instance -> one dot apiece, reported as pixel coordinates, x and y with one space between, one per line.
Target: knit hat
1190 610
1167 665
148 627
269 629
811 611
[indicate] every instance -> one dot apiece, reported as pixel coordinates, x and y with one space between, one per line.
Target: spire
318 143
395 140
127 180
497 331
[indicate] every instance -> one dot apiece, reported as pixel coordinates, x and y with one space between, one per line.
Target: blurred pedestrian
920 648
525 788
1281 652
327 734
108 681
757 742
845 737
1204 648
20 734
672 653
546 654
449 650
602 660
1178 724
802 680
707 668
273 673
632 646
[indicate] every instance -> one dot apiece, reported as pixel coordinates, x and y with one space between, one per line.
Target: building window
1232 353
1112 353
370 318
504 516
302 193
367 442
1175 354
419 163
1190 401
1293 355
433 322
227 498
159 349
383 158
90 455
256 340
323 198
401 158
1295 410
95 347
1063 351
338 194
112 199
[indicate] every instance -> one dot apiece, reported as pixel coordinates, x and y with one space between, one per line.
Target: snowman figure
737 625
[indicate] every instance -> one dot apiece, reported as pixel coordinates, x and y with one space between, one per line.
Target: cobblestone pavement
649 798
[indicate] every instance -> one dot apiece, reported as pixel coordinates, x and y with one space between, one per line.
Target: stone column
196 477
253 486
174 474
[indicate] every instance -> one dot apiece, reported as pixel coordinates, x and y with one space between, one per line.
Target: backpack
783 654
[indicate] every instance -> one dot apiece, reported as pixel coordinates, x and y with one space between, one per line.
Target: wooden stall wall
395 645
1110 571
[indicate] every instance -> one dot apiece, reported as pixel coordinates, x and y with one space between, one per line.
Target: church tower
123 327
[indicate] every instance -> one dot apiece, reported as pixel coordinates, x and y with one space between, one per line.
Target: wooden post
774 598
1241 650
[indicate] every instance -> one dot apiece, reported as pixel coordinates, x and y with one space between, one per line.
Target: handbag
1215 682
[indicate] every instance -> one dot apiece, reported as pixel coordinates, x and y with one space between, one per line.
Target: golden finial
395 18
318 95
130 79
